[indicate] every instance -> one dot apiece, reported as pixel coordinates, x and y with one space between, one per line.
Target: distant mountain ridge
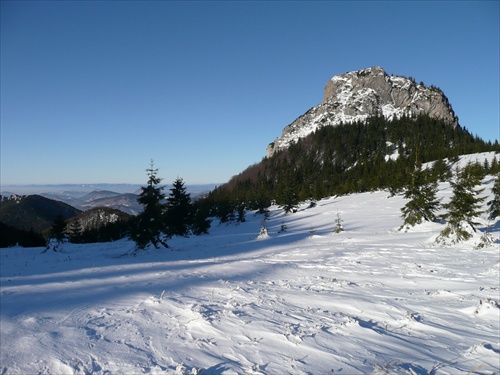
124 202
85 197
359 95
93 209
33 212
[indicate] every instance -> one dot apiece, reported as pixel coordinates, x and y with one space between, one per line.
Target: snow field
369 300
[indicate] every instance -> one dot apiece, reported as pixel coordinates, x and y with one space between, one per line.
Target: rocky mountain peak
358 95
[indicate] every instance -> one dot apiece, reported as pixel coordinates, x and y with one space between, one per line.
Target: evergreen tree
440 171
287 197
179 210
148 227
494 210
58 229
75 232
57 234
495 166
201 222
464 206
422 204
338 224
240 210
225 211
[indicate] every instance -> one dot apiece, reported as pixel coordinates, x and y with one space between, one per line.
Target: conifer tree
57 234
58 229
440 171
338 224
149 227
422 204
240 210
201 222
494 210
75 235
464 206
287 197
179 209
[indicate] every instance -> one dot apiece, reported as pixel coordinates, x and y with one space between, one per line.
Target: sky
91 91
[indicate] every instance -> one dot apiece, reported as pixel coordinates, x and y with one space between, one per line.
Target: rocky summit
358 95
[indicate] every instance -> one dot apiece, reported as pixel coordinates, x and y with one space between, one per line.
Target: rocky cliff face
356 96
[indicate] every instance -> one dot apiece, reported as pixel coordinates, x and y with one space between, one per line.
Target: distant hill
84 197
33 212
98 217
99 194
99 224
124 202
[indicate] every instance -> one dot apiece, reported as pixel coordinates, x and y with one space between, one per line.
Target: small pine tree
148 227
57 234
240 210
494 210
263 229
464 206
58 229
338 224
289 200
283 228
422 204
486 240
495 166
179 213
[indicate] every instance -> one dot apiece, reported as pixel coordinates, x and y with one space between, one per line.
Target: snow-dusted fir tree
494 210
422 201
338 224
149 227
464 206
263 229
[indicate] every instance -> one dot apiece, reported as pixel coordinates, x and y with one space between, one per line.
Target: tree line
345 159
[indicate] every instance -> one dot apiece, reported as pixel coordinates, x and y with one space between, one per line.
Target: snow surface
369 300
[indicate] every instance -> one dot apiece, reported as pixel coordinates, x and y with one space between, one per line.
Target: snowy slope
370 300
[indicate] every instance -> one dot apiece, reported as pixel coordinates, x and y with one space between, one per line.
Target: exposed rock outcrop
358 95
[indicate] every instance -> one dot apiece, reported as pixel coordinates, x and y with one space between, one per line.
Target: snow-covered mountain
358 95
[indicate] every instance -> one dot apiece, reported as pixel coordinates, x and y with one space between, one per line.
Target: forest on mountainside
350 158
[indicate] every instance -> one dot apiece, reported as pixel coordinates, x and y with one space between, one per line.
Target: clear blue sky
92 90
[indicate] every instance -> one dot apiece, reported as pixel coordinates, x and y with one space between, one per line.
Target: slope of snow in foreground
369 300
